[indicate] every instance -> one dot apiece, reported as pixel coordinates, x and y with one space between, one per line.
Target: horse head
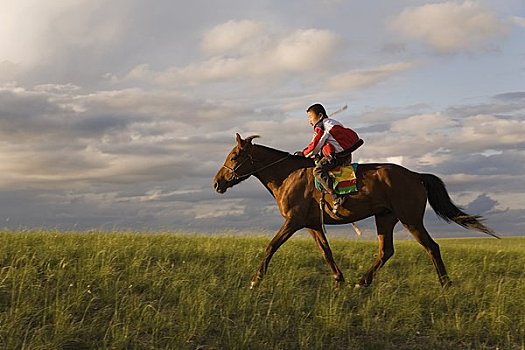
237 167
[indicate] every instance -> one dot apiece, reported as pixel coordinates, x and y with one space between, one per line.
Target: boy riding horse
330 140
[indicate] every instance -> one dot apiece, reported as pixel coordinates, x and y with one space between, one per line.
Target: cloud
518 96
416 138
506 106
231 36
452 141
520 21
451 27
423 124
121 112
268 55
227 208
304 49
145 159
356 79
112 136
45 31
509 163
480 132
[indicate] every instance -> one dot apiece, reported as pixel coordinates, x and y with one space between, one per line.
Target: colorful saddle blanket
344 179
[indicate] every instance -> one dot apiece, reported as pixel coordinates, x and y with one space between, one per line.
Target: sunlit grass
169 291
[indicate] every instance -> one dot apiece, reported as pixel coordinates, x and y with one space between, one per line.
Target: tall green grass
169 291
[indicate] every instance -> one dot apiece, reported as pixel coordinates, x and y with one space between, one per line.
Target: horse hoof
338 285
253 284
446 284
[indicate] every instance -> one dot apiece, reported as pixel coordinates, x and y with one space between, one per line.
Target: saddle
343 178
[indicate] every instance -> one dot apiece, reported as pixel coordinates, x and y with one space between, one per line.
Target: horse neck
276 166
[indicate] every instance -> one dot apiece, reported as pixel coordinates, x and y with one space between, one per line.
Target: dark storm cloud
481 205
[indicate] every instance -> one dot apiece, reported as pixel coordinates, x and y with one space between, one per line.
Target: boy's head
315 113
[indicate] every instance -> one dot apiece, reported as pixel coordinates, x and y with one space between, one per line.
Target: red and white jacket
330 137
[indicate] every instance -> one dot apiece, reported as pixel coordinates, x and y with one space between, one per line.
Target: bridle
249 157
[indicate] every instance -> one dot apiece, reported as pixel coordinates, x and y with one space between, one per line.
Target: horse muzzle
218 188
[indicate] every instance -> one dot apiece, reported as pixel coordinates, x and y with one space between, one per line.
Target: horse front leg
285 232
322 243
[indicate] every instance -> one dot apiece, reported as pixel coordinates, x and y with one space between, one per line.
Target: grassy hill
169 291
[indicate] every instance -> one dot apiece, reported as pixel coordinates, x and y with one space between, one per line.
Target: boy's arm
316 144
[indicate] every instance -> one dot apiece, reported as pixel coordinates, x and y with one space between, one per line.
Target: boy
330 138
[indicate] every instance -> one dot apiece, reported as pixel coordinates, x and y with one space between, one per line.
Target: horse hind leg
385 236
432 248
322 242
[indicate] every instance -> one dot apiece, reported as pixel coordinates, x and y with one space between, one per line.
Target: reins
252 161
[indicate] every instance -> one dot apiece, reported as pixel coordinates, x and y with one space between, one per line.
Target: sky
117 114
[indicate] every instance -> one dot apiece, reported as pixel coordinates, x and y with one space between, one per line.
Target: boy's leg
337 199
321 173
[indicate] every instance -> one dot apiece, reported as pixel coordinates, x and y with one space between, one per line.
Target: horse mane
280 152
308 162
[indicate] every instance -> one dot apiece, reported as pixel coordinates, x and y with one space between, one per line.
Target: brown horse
388 192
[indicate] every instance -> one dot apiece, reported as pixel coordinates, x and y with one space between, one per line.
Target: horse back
391 184
371 178
382 187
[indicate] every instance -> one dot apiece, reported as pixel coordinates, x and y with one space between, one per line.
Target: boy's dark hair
317 108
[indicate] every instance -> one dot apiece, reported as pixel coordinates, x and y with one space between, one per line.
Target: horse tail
440 201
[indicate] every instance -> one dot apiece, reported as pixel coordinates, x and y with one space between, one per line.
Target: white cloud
423 124
276 55
482 132
437 139
451 27
211 209
302 50
363 78
231 36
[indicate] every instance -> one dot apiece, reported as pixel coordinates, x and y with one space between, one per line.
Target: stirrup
337 204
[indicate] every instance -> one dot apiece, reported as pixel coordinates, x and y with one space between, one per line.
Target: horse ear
239 139
250 138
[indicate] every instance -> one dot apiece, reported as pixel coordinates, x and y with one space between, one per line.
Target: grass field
169 291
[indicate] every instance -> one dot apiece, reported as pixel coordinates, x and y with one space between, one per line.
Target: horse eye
235 156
